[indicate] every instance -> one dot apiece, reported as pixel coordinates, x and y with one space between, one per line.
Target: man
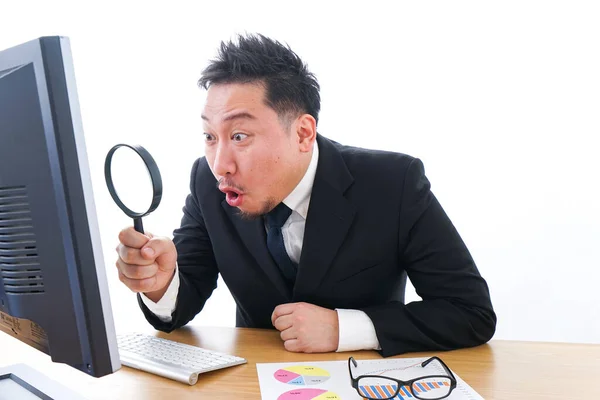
311 237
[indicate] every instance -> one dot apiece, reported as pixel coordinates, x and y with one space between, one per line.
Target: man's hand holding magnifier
146 263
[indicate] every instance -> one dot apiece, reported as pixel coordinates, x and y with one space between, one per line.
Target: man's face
256 158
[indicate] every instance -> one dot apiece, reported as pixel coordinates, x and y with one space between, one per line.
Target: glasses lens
379 388
432 388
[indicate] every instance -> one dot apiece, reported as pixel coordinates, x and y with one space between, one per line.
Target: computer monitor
53 288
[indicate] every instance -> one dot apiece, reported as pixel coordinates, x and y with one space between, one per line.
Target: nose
224 161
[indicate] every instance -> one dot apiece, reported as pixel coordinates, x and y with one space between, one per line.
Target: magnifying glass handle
137 225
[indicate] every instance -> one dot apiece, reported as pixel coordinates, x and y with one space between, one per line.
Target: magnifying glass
133 178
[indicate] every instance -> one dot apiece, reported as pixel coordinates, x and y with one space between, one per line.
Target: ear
306 130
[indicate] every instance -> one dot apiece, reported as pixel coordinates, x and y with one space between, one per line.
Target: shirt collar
299 199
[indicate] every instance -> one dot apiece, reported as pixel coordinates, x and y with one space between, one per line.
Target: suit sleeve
456 310
197 268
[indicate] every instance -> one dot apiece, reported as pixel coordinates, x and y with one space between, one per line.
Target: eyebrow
238 115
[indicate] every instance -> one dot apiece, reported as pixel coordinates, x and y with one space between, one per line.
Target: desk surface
498 370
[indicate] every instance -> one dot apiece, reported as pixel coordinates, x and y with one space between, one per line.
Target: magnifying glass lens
131 180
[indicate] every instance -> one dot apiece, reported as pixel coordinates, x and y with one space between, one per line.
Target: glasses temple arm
448 371
353 361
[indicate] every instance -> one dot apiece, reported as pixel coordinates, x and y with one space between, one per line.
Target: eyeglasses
430 387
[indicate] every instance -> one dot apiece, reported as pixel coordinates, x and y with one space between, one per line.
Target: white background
500 100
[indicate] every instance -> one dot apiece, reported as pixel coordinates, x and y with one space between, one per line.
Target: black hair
290 88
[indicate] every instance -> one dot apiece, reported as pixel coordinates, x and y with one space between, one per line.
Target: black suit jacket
372 220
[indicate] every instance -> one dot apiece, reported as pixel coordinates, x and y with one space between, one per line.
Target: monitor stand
20 381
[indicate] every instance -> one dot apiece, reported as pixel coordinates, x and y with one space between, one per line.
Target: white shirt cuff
356 331
167 304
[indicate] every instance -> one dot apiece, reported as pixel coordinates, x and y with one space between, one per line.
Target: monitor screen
53 289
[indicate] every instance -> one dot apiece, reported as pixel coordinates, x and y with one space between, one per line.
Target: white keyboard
170 359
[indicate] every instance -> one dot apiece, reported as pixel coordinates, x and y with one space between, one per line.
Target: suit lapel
253 235
330 215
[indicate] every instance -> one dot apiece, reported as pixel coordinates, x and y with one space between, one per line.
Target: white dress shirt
356 330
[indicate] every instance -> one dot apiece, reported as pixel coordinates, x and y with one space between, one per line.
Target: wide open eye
238 137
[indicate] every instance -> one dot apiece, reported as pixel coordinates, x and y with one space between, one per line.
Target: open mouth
233 198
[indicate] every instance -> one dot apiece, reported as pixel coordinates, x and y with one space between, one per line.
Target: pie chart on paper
302 375
309 394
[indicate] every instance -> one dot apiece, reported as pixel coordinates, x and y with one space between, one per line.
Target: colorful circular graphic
302 375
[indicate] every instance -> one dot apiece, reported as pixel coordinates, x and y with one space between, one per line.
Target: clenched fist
306 328
146 263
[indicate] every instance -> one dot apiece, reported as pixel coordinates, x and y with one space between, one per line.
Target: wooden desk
499 370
